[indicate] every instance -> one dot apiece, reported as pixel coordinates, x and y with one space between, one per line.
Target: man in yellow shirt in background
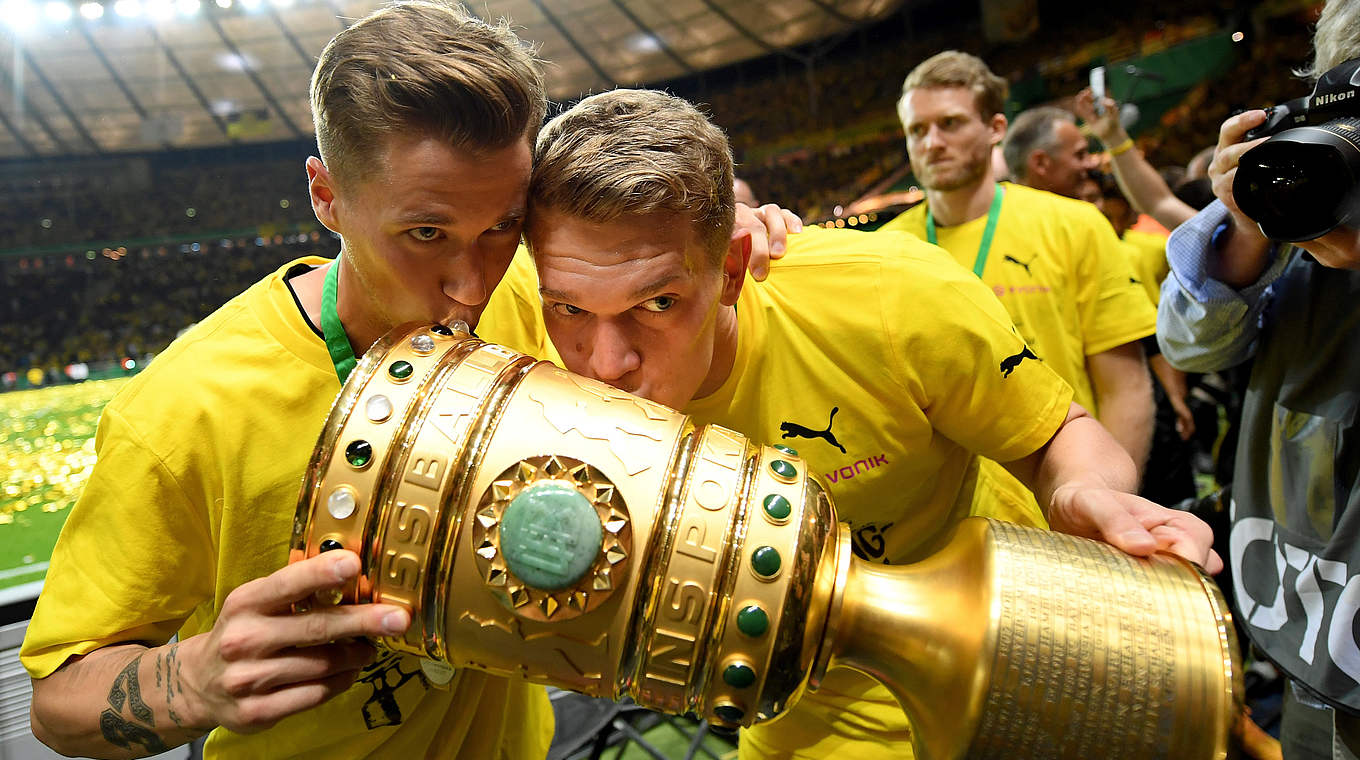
1046 151
1054 263
884 363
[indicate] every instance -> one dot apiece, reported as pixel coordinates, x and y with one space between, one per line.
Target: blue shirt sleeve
1203 324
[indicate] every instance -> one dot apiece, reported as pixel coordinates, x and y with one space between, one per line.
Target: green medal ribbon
337 343
985 247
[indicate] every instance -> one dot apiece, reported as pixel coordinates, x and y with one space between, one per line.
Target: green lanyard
985 247
337 343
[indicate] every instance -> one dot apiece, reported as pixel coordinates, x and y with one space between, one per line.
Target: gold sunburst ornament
552 538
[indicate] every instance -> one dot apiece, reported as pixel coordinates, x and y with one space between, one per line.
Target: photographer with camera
1289 175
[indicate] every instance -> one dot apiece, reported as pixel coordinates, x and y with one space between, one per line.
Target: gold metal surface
721 583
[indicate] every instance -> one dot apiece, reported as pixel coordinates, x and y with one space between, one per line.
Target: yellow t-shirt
1065 280
1147 257
514 315
886 366
200 459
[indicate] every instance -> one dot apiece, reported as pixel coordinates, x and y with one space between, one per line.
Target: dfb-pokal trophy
544 526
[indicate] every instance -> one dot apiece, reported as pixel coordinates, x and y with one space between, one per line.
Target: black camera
1305 180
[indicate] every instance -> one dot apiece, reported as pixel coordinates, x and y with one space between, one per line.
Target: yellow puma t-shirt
1059 270
886 367
1064 278
200 459
1147 257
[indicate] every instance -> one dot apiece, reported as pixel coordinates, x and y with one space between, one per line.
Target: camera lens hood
1303 182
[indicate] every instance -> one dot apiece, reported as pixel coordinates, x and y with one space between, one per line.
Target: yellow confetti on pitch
47 444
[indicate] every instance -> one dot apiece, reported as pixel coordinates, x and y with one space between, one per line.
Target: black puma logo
1009 364
1018 262
794 430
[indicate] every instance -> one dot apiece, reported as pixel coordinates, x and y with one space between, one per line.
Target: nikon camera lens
1303 182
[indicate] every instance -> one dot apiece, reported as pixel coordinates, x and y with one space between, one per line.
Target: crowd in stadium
798 153
103 309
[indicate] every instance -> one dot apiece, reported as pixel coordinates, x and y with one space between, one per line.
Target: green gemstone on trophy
783 469
739 676
753 621
358 453
729 713
550 535
786 449
777 506
400 369
765 561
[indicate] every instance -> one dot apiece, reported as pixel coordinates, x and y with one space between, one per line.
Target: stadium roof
83 77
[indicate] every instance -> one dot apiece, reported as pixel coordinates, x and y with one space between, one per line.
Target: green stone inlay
753 621
729 713
787 449
783 469
400 369
765 561
777 506
358 453
739 676
550 535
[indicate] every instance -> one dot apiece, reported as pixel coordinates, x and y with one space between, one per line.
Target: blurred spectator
1198 167
1142 184
103 308
1045 150
744 193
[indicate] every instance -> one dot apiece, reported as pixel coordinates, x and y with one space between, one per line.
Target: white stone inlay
378 408
340 503
422 344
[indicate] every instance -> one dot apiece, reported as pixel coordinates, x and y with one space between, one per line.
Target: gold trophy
543 526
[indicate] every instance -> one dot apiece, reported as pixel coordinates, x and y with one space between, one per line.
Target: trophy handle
1016 642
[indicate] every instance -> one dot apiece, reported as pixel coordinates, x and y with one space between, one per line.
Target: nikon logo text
1326 100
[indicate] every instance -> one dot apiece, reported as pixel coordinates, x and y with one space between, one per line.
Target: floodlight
58 12
20 15
91 11
128 8
644 43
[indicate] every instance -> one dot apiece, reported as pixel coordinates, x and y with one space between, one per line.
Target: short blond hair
954 68
423 68
635 152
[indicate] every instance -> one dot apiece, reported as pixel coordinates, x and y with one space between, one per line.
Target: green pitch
46 453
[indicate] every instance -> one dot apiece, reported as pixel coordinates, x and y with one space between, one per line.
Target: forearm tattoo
174 681
119 730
